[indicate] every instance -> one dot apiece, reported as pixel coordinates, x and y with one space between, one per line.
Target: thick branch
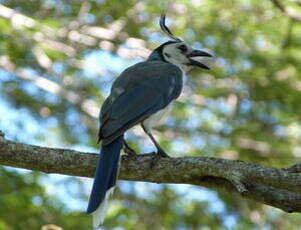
275 187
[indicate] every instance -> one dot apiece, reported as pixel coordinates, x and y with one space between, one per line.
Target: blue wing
139 92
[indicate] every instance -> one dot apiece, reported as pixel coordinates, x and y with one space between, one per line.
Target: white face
185 57
176 53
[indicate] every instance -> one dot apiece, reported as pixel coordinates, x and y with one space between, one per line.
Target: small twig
287 11
240 187
236 180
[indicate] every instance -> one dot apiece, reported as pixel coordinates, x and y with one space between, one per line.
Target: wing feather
139 92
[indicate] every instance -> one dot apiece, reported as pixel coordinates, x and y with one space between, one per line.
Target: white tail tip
100 212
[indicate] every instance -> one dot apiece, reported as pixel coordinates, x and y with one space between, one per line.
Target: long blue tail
104 180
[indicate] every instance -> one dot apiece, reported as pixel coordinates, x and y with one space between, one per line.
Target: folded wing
139 92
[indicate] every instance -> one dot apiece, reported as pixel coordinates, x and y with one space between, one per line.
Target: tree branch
288 11
280 188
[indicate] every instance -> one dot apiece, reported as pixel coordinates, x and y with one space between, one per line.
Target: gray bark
280 188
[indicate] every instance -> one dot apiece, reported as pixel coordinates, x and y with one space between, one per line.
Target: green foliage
25 205
247 107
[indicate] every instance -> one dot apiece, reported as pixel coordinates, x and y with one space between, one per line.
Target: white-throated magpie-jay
137 97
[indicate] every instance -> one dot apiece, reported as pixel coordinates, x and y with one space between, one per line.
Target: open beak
198 53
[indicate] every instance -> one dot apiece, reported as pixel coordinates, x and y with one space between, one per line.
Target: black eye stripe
183 48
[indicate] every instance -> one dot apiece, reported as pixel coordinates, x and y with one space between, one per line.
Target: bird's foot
129 151
157 156
155 159
162 153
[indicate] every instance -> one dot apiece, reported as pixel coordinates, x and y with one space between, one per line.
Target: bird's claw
129 151
162 153
157 156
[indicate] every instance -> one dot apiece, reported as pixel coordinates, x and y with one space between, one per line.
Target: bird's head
178 52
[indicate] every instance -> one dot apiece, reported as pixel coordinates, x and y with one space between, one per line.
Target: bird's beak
198 53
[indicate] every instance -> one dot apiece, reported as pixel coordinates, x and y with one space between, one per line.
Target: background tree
59 58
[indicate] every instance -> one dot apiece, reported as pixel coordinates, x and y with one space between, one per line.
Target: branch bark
280 188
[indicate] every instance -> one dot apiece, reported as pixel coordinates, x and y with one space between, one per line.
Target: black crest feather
166 30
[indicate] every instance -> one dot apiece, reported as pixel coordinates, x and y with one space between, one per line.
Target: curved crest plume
166 30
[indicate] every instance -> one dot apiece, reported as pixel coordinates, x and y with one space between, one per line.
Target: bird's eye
183 48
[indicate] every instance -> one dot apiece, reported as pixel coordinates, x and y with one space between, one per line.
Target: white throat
174 55
185 68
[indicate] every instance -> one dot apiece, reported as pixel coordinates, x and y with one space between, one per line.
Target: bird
139 95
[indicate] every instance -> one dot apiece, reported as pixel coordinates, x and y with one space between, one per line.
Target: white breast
157 118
